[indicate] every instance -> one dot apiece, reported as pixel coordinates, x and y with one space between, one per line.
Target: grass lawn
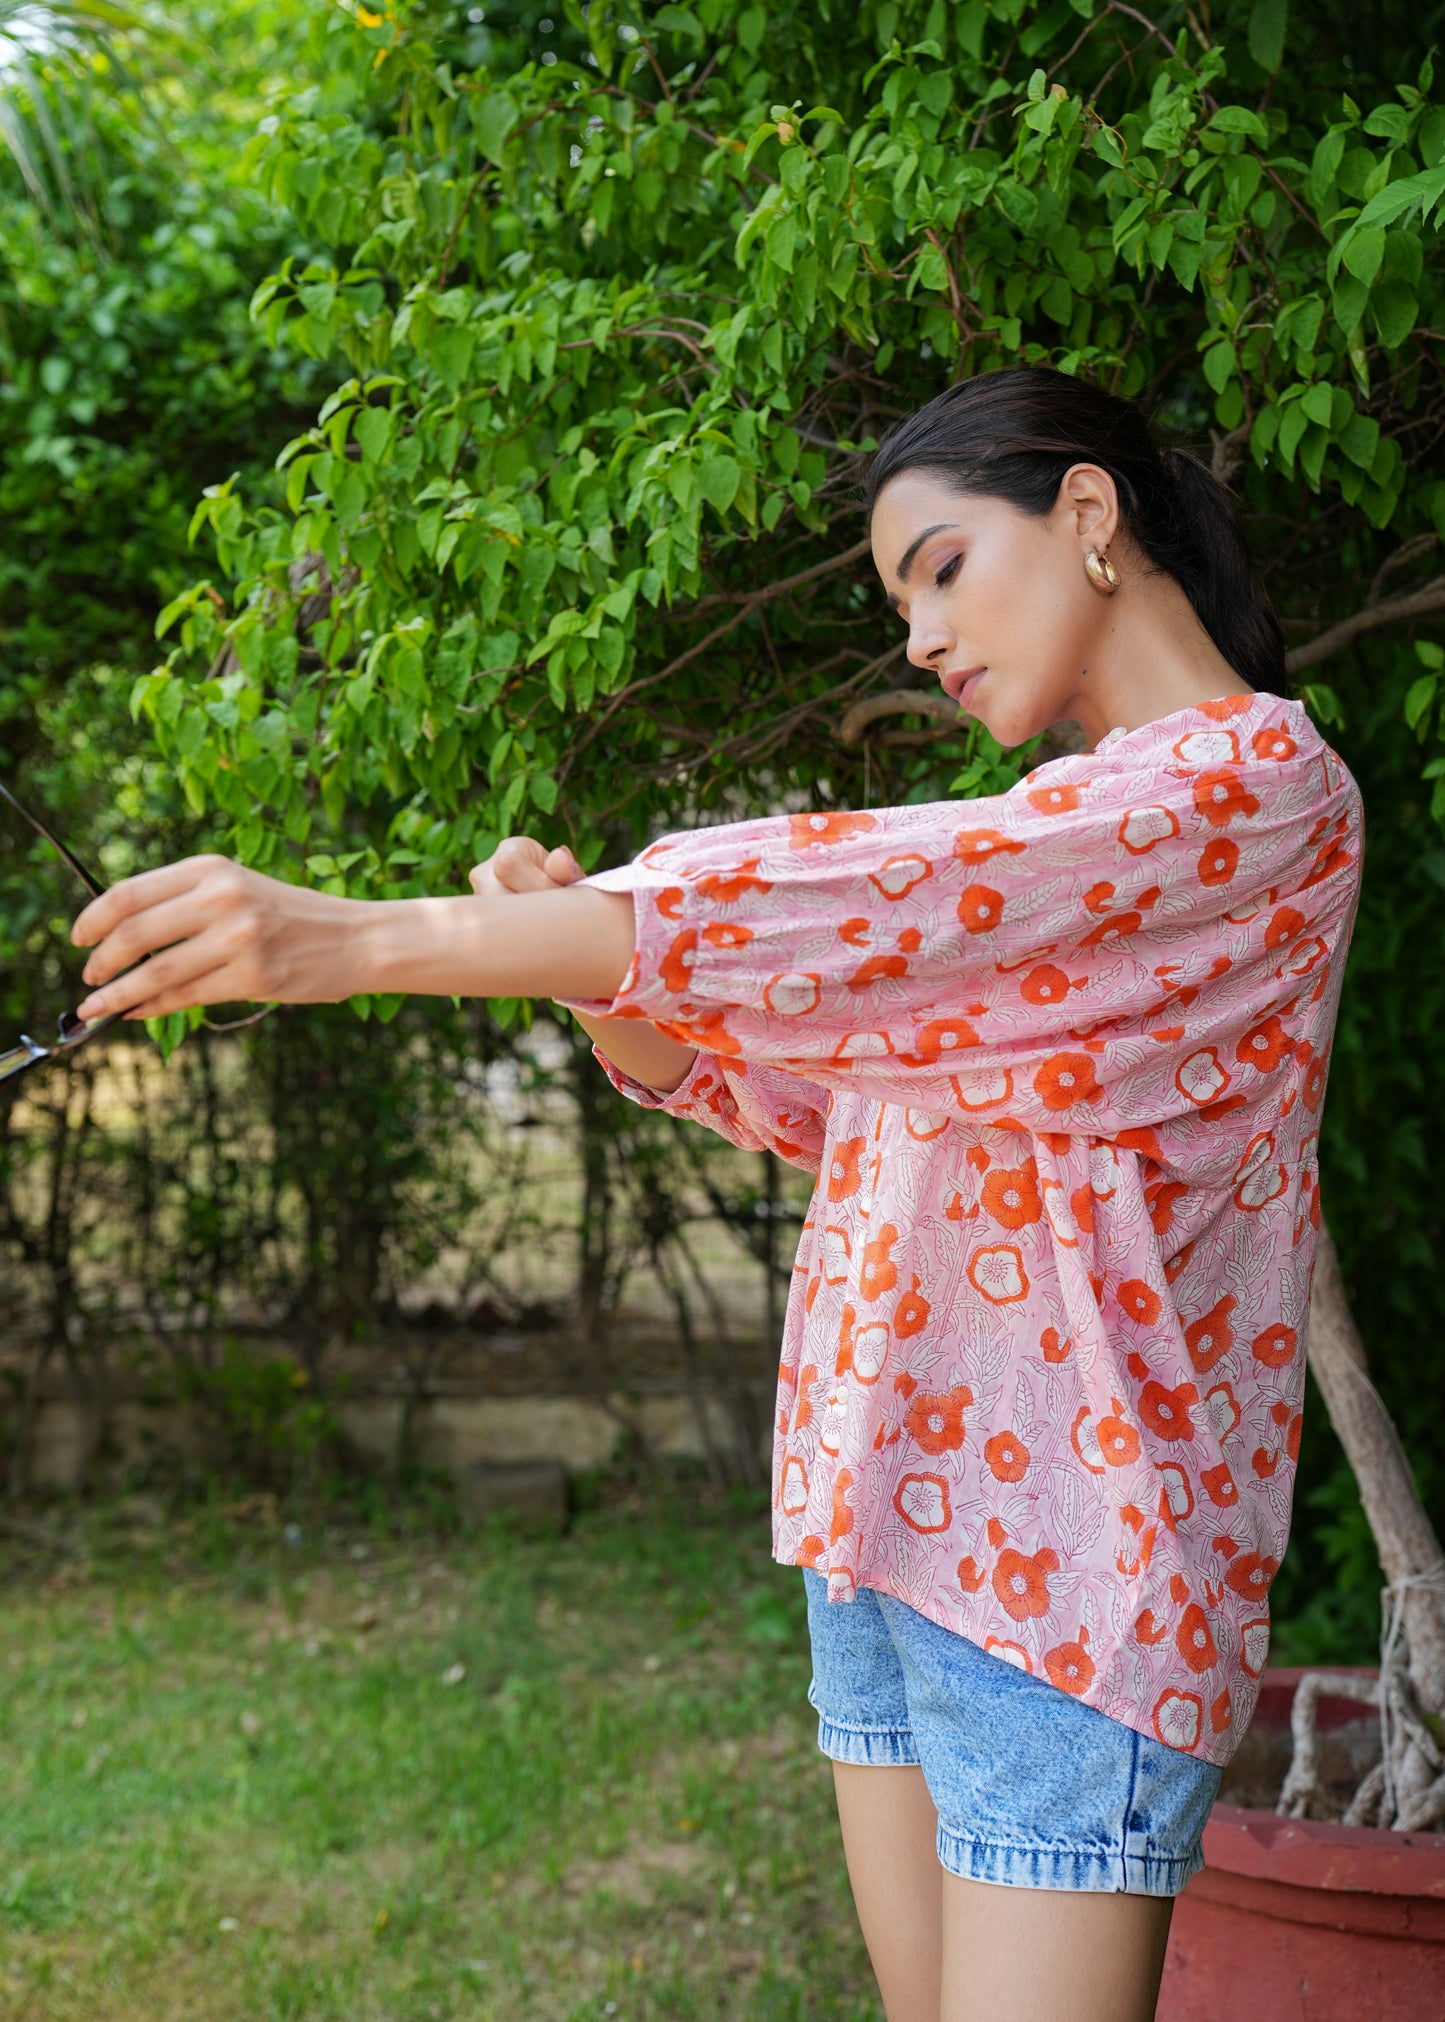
360 1771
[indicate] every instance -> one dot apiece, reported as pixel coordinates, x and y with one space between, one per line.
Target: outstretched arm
215 933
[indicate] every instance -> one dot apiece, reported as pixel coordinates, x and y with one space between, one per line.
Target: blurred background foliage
521 358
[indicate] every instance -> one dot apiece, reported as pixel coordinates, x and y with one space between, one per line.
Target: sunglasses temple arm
95 889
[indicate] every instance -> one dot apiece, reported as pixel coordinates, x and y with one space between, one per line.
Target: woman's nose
928 641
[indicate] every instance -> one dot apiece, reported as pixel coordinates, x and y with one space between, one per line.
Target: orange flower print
1053 799
922 1502
934 1419
1251 1575
895 877
675 968
842 1514
726 934
997 1273
1254 1645
1203 1076
980 909
1221 795
1144 827
815 831
1139 1301
1176 1719
1166 1412
1044 984
794 1491
1222 707
870 1351
1054 1350
810 1551
970 1576
1118 1441
1069 1666
910 1316
1283 926
669 902
1176 1497
1275 1347
725 888
877 969
1221 1712
1011 1194
977 845
844 1177
1084 1438
1022 1582
1219 1485
1210 1337
1276 744
1011 1653
1218 861
1264 1045
1194 1640
792 995
937 1037
1066 1079
1007 1456
1315 1074
879 1273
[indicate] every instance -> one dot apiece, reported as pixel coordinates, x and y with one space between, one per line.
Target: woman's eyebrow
927 535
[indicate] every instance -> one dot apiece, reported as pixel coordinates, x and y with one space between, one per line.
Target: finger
142 933
482 879
218 987
178 969
520 865
563 868
147 888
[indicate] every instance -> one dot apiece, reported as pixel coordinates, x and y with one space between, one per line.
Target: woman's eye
947 573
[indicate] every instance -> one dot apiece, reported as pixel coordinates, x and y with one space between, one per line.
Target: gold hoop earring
1101 572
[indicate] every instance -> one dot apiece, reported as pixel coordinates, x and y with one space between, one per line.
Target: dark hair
1013 434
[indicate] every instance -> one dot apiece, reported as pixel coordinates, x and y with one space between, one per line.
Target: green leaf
1396 312
493 118
1363 252
718 480
1418 699
1410 193
1238 119
1267 24
1323 704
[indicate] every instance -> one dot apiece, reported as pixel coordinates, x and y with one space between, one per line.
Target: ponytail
1013 434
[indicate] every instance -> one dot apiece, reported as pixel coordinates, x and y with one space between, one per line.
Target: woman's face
996 601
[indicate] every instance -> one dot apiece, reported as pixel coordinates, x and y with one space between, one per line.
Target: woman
1057 1058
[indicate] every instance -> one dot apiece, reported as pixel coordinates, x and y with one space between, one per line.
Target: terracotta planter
1298 1921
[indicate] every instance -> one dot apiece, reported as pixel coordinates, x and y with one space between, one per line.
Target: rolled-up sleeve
755 1108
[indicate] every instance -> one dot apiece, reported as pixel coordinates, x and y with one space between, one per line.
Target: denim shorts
1031 1787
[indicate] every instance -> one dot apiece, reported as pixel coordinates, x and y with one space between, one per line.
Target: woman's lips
959 686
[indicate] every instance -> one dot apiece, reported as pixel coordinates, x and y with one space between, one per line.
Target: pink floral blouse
1057 1059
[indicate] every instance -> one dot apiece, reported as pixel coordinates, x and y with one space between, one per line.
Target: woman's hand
208 931
521 864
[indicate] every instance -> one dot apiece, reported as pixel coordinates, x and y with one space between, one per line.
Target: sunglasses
73 1031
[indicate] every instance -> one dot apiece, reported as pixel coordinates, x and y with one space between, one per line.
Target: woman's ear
1090 498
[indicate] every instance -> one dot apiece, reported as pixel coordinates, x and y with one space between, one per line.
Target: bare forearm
213 933
560 943
641 1051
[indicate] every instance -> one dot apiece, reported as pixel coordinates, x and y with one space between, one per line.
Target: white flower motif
895 877
1202 1077
1254 1645
793 995
1176 1719
998 1273
870 1351
922 1502
1143 827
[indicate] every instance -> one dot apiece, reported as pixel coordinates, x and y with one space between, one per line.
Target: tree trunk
1404 1535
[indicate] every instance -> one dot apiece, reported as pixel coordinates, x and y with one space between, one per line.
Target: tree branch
1390 611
